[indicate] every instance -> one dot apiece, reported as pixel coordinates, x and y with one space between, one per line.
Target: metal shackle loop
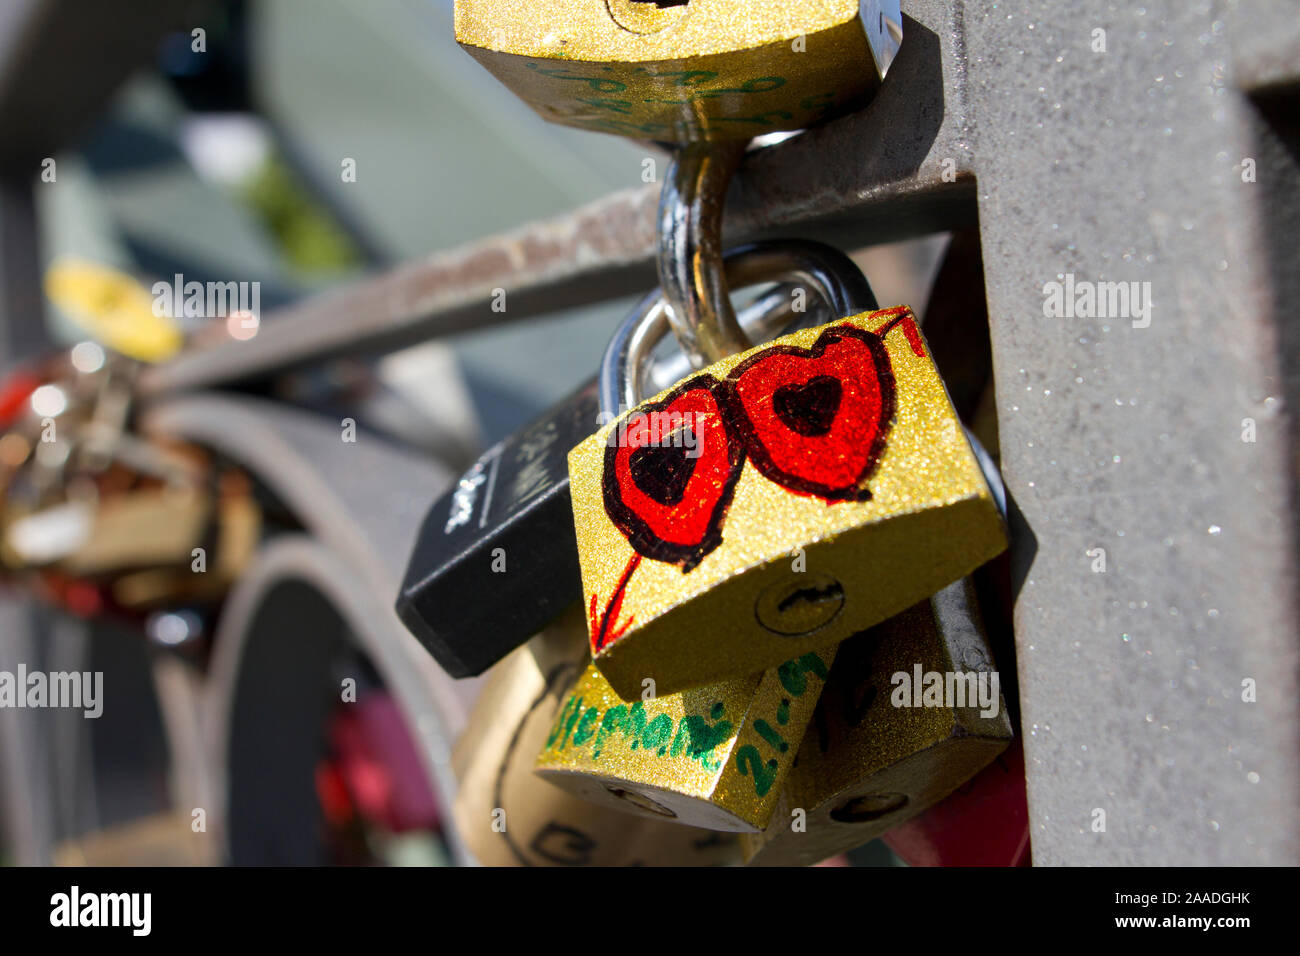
630 350
990 471
771 314
831 274
689 259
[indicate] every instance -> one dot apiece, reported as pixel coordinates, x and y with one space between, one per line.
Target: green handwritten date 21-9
793 676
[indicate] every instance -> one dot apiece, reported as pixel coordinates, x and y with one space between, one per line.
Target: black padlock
496 558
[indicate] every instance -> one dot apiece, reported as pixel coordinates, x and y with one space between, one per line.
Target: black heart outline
735 416
666 489
809 409
635 528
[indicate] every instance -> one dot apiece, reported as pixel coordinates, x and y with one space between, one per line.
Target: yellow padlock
142 528
714 757
685 71
508 817
774 503
113 309
912 710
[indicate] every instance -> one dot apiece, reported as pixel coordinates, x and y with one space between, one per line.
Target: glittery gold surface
712 69
538 824
856 779
714 757
931 520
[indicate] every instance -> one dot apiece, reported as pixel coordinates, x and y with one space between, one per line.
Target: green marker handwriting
693 735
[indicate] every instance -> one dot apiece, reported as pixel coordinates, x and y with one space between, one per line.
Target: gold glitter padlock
686 71
506 816
912 711
776 502
713 757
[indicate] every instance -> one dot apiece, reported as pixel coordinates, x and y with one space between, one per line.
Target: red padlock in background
984 823
378 764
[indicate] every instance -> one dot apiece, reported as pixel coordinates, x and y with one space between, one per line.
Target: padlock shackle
990 471
838 282
835 277
690 259
770 314
631 350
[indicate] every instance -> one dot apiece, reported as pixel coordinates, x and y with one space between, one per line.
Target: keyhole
645 17
871 806
640 800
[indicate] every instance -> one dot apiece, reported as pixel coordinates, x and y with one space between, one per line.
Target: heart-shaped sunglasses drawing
813 420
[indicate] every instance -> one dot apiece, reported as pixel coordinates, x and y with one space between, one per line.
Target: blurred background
227 164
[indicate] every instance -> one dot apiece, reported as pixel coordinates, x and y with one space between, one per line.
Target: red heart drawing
670 472
815 420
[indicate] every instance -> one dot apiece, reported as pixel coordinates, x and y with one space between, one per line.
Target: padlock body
911 712
157 526
701 70
506 816
504 529
858 495
238 535
714 757
984 822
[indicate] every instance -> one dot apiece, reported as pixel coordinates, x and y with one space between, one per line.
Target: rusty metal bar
842 182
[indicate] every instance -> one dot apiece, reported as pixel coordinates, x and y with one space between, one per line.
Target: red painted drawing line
904 318
601 633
